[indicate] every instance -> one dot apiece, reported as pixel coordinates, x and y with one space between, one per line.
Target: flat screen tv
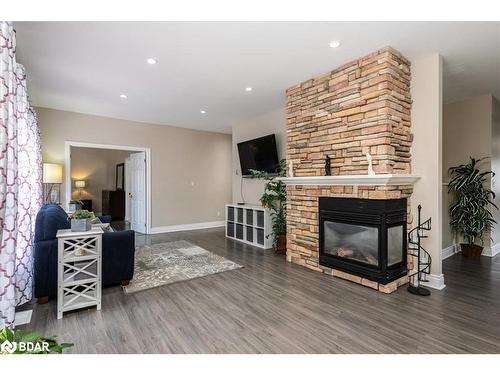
260 154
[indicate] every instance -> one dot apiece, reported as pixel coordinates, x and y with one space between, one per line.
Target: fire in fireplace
364 237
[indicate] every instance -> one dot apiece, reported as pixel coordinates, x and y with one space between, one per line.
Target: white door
137 192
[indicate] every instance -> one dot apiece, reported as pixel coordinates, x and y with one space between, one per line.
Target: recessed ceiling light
203 111
334 44
248 89
123 96
152 61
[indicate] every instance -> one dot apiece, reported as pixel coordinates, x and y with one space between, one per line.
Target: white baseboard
492 251
455 248
435 282
182 227
450 250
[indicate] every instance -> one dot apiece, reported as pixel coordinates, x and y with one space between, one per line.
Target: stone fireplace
362 107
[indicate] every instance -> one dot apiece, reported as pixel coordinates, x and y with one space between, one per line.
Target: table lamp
80 184
52 175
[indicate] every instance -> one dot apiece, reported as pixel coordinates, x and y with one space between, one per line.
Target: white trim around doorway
67 169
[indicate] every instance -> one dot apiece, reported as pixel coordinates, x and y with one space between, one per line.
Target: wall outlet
218 213
192 183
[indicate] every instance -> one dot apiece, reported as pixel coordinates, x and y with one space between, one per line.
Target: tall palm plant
470 214
274 198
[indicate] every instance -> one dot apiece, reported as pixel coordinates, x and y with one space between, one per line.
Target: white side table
79 269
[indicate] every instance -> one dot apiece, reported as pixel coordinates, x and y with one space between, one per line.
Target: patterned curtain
29 189
20 180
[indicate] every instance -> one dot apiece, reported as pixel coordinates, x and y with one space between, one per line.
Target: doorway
128 172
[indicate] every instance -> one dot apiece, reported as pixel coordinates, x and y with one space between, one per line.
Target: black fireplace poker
423 258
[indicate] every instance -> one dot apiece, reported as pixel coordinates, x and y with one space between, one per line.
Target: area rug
169 262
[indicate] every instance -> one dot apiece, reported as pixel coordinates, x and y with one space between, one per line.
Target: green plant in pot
81 220
470 214
75 205
274 198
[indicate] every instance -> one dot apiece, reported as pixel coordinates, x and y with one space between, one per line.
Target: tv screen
259 154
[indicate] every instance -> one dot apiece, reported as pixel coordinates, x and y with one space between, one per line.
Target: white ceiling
85 66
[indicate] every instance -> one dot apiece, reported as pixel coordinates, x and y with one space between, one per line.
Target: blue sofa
118 250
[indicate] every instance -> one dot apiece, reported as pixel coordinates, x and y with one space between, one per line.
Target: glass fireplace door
395 245
351 241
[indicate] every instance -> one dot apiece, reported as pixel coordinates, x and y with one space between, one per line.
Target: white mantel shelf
355 179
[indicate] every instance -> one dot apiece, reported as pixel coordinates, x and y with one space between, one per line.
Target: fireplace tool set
423 260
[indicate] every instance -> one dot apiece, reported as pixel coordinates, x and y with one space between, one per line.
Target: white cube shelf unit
79 269
249 224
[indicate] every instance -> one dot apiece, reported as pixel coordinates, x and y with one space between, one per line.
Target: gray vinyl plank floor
271 306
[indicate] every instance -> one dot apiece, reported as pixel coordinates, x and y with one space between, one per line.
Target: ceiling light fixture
123 96
248 89
334 44
152 61
203 111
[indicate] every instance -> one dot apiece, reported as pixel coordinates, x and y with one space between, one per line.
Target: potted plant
274 198
81 220
470 214
75 205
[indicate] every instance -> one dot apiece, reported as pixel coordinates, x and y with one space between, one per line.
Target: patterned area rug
168 262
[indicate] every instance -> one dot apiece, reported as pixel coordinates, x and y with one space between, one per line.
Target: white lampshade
52 173
80 183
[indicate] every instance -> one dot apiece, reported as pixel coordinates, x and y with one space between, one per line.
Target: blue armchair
118 250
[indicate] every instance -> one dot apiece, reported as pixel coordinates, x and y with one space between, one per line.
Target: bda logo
8 347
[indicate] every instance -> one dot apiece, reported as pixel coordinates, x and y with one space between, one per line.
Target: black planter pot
281 244
471 251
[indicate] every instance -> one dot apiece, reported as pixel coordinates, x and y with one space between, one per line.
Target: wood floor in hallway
271 306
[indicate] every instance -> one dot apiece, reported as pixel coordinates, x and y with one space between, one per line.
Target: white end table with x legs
79 269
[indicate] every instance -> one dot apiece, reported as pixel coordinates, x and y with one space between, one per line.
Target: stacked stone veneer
362 107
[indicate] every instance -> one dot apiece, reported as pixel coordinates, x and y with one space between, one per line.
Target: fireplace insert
364 237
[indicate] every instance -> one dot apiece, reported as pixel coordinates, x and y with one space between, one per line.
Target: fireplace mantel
372 180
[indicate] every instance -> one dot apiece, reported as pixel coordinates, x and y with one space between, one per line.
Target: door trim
67 169
127 189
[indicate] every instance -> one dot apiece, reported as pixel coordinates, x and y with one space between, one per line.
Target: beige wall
191 169
98 168
270 123
426 152
467 131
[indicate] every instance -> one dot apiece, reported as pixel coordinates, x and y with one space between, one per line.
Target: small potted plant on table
470 214
81 221
274 198
75 205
